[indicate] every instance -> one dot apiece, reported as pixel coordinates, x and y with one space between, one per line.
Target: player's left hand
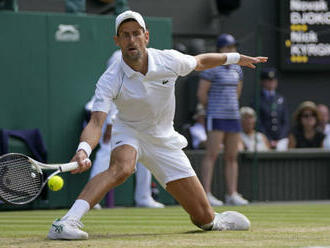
250 61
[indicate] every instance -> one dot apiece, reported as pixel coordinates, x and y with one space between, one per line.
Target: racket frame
42 166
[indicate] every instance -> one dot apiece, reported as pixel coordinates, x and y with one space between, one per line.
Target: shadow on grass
27 241
107 236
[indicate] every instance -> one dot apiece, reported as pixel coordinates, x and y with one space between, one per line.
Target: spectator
197 131
273 118
324 125
75 6
306 133
219 90
180 47
8 5
250 139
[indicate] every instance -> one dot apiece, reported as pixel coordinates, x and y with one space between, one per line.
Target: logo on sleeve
165 81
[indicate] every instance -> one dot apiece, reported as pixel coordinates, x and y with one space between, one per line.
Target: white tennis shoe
230 220
213 200
97 206
150 203
67 229
236 200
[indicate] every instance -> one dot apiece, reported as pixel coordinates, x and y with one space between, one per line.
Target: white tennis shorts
165 163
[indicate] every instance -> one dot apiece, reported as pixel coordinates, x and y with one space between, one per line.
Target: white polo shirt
146 103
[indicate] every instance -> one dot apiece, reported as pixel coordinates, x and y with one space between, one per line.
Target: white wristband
86 147
232 58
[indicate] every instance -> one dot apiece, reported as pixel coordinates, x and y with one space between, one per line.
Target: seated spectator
324 124
197 130
250 139
306 132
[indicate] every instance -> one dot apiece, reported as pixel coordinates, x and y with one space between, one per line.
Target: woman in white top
250 139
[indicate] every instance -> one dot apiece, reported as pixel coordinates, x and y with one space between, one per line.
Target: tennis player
142 85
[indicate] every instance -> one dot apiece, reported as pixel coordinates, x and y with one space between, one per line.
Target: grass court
273 225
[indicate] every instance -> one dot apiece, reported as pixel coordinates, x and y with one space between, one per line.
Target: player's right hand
83 162
250 61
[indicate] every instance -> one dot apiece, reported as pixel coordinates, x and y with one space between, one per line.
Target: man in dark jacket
273 119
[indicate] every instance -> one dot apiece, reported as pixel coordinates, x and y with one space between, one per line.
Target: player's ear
146 33
115 38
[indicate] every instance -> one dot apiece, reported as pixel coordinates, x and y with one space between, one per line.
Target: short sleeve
116 56
106 91
240 73
181 63
207 75
112 114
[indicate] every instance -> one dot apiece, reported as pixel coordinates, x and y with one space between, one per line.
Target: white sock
78 210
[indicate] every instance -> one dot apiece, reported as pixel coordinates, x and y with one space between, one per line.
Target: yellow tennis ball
55 183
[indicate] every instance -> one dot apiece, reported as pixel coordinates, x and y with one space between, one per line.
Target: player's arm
209 60
202 92
89 137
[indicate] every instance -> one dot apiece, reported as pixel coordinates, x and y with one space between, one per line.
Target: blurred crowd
265 123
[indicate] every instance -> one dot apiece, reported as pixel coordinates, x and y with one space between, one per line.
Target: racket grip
71 166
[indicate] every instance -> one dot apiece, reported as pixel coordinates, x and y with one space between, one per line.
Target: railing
298 174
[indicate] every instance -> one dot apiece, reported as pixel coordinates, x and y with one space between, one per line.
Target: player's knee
124 172
122 168
127 171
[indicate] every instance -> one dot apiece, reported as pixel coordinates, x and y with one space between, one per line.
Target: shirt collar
127 69
130 72
269 92
151 63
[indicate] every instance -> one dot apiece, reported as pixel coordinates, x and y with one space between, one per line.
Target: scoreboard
305 35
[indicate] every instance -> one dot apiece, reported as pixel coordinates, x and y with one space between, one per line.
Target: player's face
132 40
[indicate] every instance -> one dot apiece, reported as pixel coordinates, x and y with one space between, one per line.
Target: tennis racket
21 178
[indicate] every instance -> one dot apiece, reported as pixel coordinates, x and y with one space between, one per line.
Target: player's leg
231 169
191 195
173 171
142 194
213 147
122 165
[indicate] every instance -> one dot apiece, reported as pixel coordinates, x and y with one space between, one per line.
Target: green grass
273 225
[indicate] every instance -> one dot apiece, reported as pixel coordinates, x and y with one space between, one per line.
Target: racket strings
20 181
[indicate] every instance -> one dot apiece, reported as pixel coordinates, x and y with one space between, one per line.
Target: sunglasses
307 116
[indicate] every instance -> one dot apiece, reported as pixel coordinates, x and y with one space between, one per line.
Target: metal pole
255 166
